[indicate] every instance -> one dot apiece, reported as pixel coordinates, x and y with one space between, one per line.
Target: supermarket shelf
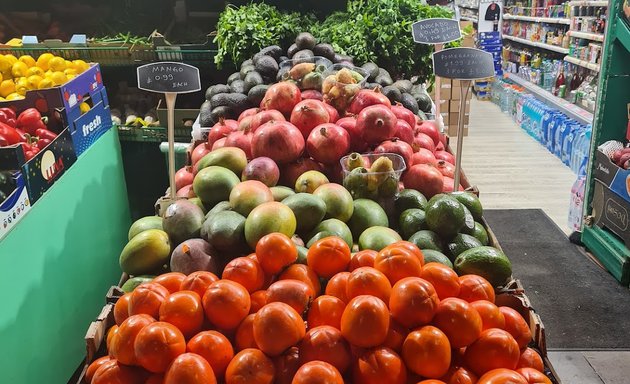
586 35
570 109
623 34
588 3
473 19
469 7
548 47
548 20
582 63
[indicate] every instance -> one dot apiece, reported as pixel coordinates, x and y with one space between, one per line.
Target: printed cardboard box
610 175
15 207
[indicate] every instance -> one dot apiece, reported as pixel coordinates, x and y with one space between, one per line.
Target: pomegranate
404 131
264 116
291 172
185 191
218 144
312 94
365 98
439 147
183 177
422 141
403 113
356 140
376 123
443 139
443 155
221 129
399 147
328 143
332 112
247 113
423 156
200 151
282 96
246 123
334 172
262 169
424 178
280 141
447 169
308 114
242 140
449 185
429 128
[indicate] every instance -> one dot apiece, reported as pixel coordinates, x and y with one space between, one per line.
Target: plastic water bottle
576 204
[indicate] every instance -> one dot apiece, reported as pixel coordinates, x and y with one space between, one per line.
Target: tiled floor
512 170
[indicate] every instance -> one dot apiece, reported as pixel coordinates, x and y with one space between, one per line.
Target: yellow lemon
70 71
33 81
43 59
21 86
58 78
5 64
14 96
84 107
28 60
35 71
70 77
7 87
19 69
57 64
12 59
81 65
1 77
45 83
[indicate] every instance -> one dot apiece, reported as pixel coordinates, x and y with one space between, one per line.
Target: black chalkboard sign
463 64
169 77
436 31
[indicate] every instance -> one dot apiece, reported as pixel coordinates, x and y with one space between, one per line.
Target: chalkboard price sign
463 64
435 31
169 77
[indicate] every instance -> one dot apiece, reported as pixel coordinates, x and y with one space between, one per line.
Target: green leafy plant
243 31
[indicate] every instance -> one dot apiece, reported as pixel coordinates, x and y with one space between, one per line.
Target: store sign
169 77
436 31
463 64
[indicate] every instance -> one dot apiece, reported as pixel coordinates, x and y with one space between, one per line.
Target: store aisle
511 169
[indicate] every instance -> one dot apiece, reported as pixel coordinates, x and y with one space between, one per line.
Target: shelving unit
548 47
586 35
582 63
588 3
548 20
473 19
611 121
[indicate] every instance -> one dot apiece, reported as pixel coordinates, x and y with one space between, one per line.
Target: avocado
409 102
303 56
205 114
469 222
283 73
219 207
433 256
216 89
460 244
282 58
410 198
367 213
392 93
384 72
267 66
273 51
471 202
339 58
422 115
256 94
252 79
231 100
445 215
372 70
383 80
411 221
292 50
487 262
226 232
426 239
245 69
374 86
424 102
218 113
305 41
238 86
234 76
480 233
247 62
403 85
324 50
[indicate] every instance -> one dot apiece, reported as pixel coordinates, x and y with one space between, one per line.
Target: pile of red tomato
329 318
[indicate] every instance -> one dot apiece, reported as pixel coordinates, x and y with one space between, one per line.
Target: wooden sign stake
170 112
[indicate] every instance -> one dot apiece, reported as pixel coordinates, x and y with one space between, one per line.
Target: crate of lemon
68 93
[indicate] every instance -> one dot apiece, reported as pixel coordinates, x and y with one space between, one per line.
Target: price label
169 77
436 31
463 64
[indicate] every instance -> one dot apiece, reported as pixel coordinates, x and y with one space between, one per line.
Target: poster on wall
490 15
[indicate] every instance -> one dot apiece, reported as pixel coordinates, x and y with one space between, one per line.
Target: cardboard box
15 207
454 106
451 130
611 176
611 212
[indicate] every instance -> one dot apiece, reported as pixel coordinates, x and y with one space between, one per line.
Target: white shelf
586 35
473 19
582 63
548 20
588 3
548 47
562 105
469 7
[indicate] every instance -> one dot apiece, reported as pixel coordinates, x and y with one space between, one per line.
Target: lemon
21 86
70 77
45 83
19 69
12 59
34 80
35 71
28 60
58 78
7 87
1 77
57 64
43 59
84 107
70 71
14 96
5 64
81 66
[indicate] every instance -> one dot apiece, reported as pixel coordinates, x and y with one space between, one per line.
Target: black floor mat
581 305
